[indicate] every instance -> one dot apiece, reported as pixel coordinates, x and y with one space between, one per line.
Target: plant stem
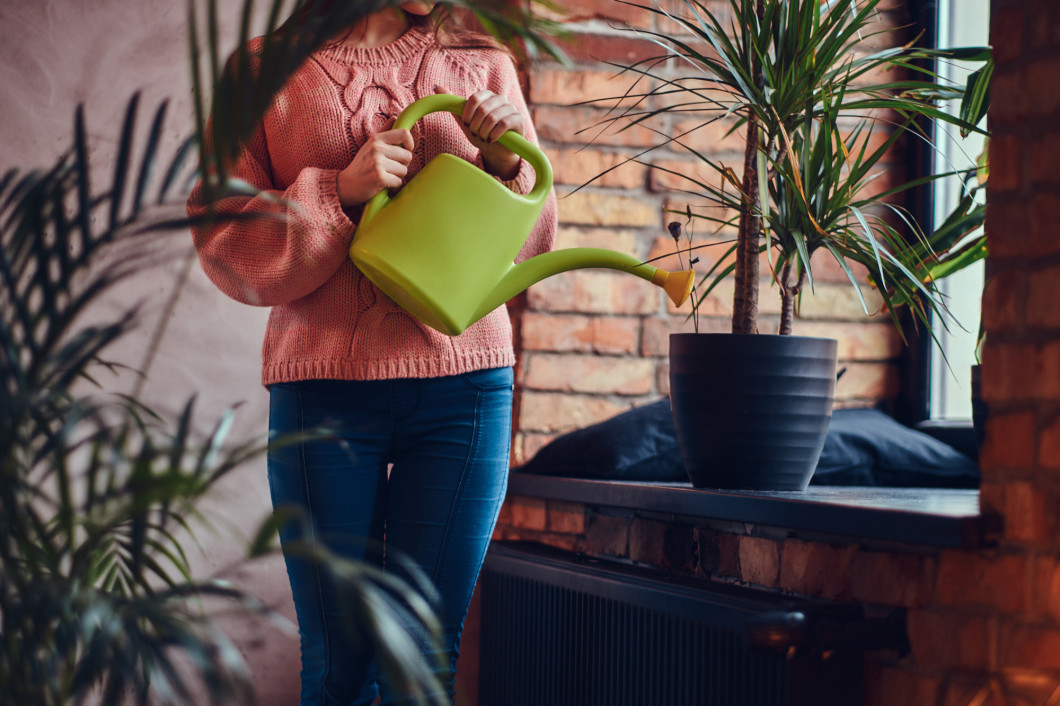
788 295
745 296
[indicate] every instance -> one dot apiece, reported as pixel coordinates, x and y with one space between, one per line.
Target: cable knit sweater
327 320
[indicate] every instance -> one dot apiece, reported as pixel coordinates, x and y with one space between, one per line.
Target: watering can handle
511 139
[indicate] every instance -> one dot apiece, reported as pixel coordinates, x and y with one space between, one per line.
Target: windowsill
931 517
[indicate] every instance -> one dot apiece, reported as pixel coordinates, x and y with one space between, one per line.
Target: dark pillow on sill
640 444
863 447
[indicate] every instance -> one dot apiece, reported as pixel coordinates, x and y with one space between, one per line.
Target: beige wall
55 54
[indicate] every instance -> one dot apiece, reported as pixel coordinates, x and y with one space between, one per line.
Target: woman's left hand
485 118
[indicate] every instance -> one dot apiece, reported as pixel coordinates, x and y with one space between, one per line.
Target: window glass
960 23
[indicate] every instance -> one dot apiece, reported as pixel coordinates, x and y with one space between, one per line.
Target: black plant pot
751 411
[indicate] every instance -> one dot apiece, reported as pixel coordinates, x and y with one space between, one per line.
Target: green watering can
443 247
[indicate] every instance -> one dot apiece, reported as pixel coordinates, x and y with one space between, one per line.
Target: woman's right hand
381 163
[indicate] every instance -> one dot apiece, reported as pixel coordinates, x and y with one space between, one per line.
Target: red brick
893 686
1045 29
1006 163
1004 302
719 553
1032 512
1049 445
531 444
976 580
707 135
557 86
1043 297
601 208
594 237
580 334
595 292
587 125
949 640
551 412
1007 224
1044 157
760 561
857 342
1020 371
566 518
663 544
825 268
1044 215
607 535
1007 23
682 174
980 690
598 167
906 580
625 49
1029 647
528 513
589 374
1010 100
655 340
838 302
868 381
1045 588
1009 440
1043 86
578 10
662 380
816 569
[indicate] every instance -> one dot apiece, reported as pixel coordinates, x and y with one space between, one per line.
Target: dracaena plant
99 495
800 78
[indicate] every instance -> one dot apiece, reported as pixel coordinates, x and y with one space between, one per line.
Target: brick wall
595 342
984 626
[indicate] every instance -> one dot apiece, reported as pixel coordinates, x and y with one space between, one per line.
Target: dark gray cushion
863 447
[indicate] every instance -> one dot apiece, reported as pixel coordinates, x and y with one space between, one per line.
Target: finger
483 120
508 118
438 88
474 101
396 137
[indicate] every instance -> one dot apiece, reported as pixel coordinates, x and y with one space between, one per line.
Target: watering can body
444 247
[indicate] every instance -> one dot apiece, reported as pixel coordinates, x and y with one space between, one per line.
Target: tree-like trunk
745 296
788 294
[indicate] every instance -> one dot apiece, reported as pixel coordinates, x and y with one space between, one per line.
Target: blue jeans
448 440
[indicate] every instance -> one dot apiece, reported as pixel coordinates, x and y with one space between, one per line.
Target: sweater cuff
521 183
328 191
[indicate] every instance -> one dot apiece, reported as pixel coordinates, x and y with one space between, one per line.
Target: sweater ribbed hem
391 369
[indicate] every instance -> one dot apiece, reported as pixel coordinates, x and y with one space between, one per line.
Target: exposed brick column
1021 358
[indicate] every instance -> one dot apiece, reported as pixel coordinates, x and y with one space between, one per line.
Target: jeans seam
444 547
316 565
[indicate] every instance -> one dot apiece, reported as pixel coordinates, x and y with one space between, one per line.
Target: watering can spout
677 285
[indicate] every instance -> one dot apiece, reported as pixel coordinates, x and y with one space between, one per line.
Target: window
960 23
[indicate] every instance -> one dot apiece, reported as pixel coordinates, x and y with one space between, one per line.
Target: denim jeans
448 440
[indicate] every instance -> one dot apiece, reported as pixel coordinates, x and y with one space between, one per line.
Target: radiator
558 630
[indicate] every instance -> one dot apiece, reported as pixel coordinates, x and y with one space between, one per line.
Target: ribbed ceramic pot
751 411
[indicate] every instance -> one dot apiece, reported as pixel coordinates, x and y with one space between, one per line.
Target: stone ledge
931 517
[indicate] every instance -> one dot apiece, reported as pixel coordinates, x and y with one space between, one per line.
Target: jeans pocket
490 379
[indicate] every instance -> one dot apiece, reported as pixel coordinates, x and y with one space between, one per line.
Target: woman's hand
381 163
485 118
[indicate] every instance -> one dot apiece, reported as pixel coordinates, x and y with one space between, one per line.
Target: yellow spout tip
677 285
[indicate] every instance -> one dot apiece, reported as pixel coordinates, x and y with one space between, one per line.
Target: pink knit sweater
327 319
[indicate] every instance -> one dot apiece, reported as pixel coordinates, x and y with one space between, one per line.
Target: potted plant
752 409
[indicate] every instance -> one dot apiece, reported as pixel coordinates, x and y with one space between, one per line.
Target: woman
339 353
